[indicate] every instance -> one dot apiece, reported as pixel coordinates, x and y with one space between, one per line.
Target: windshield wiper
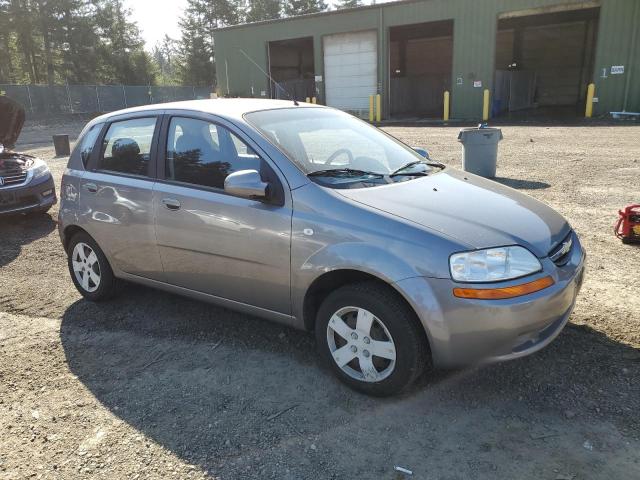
343 171
414 163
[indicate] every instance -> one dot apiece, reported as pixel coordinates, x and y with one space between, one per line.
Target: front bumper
463 331
29 197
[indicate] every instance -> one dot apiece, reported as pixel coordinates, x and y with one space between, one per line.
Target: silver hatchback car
307 216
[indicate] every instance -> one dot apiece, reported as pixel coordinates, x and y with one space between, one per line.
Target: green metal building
536 57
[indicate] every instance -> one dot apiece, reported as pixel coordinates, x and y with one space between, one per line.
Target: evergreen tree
264 10
201 18
302 7
77 42
120 50
7 48
22 22
74 41
164 54
341 4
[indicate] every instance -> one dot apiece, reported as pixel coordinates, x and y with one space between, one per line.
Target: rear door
116 194
213 242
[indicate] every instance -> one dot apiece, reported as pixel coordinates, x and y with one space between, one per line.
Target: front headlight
493 264
39 169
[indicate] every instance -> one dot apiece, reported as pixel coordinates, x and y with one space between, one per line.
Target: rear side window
88 142
203 153
127 145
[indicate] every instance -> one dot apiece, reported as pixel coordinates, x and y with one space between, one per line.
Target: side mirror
422 152
246 184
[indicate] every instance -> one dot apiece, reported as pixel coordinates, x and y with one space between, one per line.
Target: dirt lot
156 386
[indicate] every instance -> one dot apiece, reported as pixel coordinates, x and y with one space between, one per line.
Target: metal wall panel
475 25
618 19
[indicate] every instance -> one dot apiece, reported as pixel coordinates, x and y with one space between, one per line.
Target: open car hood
11 122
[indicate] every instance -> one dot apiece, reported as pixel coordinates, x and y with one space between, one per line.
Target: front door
117 194
213 242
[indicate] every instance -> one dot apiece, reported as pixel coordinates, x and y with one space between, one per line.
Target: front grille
561 253
9 179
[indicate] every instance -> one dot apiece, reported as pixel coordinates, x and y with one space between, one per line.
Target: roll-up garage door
350 70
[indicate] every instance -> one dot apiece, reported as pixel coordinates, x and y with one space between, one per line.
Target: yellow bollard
307 100
371 111
485 105
378 108
445 115
314 100
591 90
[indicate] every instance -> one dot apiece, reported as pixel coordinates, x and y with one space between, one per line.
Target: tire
394 332
95 281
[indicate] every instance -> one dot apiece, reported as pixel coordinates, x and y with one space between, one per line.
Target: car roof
224 107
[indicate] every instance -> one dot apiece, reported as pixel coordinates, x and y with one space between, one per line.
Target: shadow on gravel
228 392
19 230
522 184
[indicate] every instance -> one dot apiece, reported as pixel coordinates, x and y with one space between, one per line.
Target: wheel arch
69 232
330 281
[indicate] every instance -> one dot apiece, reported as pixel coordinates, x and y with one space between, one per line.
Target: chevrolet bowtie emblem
566 247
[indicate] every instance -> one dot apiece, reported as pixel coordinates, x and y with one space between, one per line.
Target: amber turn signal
506 292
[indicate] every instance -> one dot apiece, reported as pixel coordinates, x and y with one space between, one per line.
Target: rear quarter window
126 147
88 142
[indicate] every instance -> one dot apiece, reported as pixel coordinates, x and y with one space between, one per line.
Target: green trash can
480 149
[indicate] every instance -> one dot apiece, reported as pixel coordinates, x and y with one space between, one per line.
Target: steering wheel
337 153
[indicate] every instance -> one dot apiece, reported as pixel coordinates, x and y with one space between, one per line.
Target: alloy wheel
361 344
86 267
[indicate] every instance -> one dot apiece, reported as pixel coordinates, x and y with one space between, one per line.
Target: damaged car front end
26 184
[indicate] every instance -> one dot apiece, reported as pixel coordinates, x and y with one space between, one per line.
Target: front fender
358 256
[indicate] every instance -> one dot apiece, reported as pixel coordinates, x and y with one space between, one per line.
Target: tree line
96 42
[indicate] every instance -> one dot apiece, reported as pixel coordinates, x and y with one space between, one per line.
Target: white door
351 70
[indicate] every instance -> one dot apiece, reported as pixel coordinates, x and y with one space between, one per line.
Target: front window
204 153
325 143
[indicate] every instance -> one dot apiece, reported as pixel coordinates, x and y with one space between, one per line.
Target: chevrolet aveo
307 216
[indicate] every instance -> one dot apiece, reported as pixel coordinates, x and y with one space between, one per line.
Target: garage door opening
291 66
544 63
421 60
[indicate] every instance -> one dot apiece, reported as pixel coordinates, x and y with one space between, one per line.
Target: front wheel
89 269
371 339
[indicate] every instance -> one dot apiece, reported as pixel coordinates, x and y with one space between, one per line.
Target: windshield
319 139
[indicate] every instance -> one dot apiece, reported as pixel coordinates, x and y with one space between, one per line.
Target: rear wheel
89 269
371 339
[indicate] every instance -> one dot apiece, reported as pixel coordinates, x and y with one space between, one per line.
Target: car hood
11 122
475 211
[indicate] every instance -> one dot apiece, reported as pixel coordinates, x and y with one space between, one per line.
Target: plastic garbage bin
61 145
480 149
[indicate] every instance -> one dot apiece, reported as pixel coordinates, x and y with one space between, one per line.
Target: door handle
91 187
171 203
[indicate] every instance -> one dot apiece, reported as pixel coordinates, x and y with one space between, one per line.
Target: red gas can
628 226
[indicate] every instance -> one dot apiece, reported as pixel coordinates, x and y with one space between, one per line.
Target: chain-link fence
59 99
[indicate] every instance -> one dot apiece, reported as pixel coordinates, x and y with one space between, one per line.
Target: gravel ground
152 385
